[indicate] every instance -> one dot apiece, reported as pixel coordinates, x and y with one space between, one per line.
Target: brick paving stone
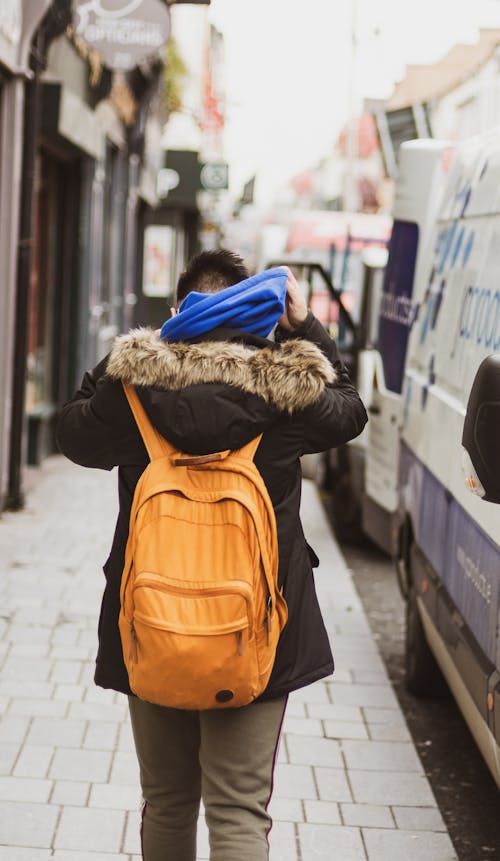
283 842
286 809
70 653
115 797
97 830
295 709
63 732
16 853
390 787
316 693
93 694
282 750
412 846
345 659
344 729
28 634
391 716
13 728
66 672
98 711
28 824
131 840
367 815
64 635
328 841
26 650
332 784
294 781
302 726
381 756
38 708
322 812
85 765
328 711
72 792
124 769
24 789
363 695
26 668
125 738
419 819
308 750
34 760
389 732
27 689
70 693
101 735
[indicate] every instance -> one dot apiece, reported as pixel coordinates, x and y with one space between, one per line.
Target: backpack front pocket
175 626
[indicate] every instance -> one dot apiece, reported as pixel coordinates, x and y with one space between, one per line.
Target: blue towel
253 305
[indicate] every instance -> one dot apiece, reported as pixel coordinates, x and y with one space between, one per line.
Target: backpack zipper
157 582
239 642
133 654
267 617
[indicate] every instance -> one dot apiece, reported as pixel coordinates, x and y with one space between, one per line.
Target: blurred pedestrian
212 380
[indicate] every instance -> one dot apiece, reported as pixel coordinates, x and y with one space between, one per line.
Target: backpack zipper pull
239 641
267 617
133 656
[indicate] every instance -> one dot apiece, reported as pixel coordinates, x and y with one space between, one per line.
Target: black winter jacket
207 395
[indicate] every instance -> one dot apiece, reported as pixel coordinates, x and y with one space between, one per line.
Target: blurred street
349 784
135 134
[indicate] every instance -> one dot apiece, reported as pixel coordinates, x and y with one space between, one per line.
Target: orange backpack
201 612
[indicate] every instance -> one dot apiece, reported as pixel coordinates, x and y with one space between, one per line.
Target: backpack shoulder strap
157 446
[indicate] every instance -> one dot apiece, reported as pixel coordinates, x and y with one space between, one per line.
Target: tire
346 511
422 674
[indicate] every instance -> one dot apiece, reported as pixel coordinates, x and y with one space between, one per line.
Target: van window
396 302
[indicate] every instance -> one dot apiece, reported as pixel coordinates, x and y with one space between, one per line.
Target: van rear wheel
422 674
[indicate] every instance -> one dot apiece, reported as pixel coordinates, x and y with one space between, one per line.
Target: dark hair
211 271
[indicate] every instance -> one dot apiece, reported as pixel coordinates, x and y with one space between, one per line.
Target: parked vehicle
447 540
415 351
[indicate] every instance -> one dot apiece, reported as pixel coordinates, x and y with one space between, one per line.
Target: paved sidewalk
349 784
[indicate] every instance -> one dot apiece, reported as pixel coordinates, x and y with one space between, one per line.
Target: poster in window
157 266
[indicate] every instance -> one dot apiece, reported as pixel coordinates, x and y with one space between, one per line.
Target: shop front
18 22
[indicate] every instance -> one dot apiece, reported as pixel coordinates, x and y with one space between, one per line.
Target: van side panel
461 554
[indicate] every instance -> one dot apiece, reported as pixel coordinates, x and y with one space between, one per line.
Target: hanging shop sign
11 21
157 263
124 32
10 31
214 176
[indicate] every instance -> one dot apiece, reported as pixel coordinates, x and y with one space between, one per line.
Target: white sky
288 70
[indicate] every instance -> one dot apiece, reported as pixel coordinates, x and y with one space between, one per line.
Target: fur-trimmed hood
290 377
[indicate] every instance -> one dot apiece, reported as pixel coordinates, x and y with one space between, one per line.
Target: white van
423 168
448 540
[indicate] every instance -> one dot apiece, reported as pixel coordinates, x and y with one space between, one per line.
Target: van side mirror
481 435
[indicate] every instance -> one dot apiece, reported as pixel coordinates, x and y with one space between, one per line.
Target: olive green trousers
225 757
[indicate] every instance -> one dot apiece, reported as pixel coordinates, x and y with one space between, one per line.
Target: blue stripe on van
464 558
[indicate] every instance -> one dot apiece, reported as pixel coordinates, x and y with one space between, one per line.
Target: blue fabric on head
253 305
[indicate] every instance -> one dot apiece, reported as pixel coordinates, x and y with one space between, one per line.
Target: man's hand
295 304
